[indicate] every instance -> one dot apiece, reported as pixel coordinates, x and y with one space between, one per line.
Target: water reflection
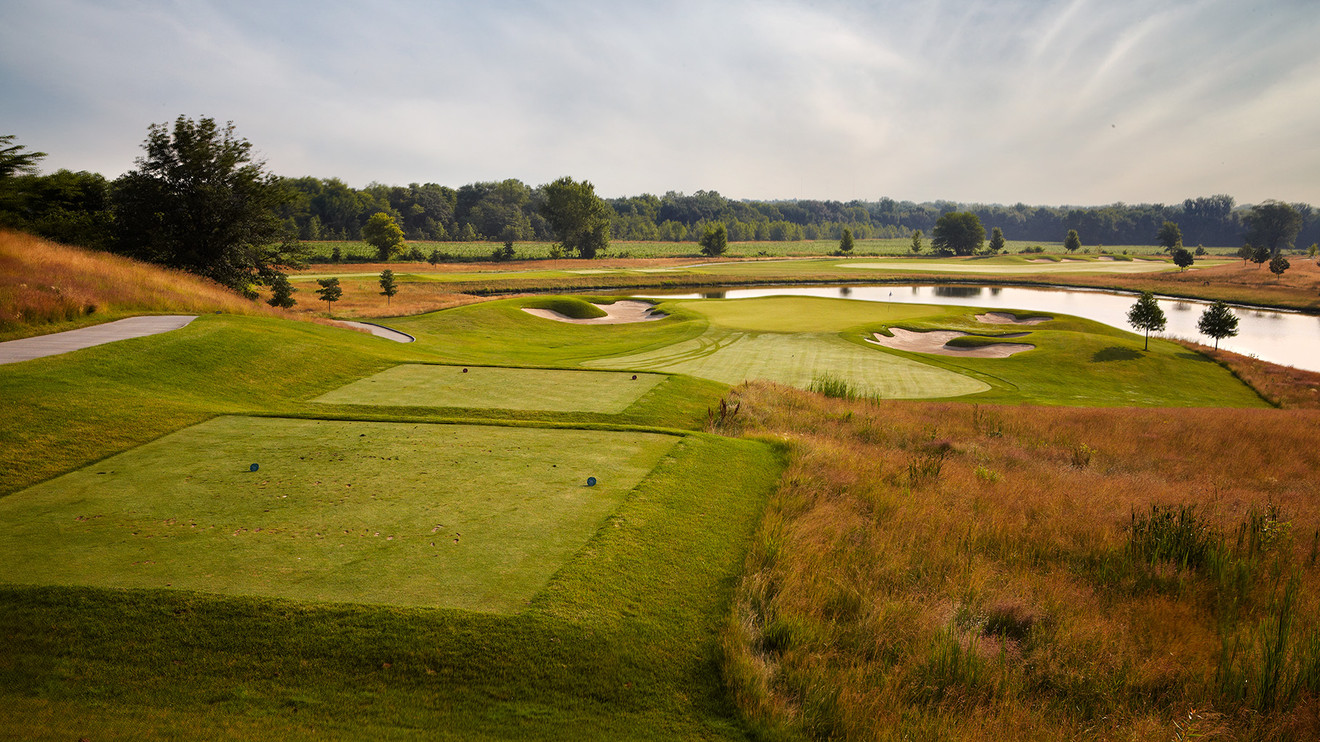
1287 338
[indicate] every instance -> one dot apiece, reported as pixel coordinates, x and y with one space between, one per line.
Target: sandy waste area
618 313
936 342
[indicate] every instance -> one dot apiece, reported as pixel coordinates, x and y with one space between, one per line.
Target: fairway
546 390
797 359
388 513
1063 266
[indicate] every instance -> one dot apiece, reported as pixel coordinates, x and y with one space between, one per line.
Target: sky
1080 102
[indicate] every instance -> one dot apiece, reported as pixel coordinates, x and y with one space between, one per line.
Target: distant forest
75 208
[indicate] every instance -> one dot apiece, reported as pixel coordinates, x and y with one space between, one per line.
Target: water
1285 338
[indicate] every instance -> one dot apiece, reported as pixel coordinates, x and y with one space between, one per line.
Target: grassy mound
568 306
48 287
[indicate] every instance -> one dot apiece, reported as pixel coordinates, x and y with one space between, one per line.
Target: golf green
547 390
389 513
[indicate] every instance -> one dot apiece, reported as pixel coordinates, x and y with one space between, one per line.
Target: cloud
1068 102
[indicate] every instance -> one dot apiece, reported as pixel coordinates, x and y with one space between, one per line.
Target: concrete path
379 331
13 351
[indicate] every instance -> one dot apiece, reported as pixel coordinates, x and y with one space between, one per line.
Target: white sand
936 341
618 313
1004 318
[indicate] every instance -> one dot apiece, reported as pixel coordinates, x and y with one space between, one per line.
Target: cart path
13 351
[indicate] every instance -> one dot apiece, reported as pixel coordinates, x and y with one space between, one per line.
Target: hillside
49 287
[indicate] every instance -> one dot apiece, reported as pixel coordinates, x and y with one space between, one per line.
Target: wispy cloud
1018 100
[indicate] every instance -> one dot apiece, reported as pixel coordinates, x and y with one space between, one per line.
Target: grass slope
459 516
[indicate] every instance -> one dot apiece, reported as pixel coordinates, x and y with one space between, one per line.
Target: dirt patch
936 342
618 313
1004 318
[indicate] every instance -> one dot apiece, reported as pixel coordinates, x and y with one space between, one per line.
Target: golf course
586 516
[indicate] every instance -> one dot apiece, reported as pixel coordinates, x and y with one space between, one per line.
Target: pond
1285 338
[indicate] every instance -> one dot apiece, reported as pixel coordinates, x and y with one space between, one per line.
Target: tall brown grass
945 571
1282 386
43 283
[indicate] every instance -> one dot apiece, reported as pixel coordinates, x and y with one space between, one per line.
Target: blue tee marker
254 467
591 481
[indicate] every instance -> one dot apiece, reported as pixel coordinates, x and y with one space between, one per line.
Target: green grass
458 516
620 644
487 387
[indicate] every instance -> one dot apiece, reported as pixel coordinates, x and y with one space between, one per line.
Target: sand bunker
1004 318
618 313
1041 260
936 342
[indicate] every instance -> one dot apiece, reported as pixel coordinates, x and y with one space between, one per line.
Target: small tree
846 241
1279 264
1183 258
384 234
1170 236
916 241
1311 251
1245 252
281 292
1218 321
715 240
329 291
434 257
388 288
996 241
1072 242
1146 315
502 254
1260 256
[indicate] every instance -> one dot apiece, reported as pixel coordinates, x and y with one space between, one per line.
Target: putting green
390 513
797 359
497 388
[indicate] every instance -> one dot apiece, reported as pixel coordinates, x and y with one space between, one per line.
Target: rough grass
553 390
1282 386
47 287
969 572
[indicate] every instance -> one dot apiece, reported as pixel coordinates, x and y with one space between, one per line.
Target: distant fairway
388 513
1019 267
796 359
480 387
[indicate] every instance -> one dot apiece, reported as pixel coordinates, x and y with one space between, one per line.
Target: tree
384 234
577 215
1246 252
1170 236
958 233
1279 264
846 241
1260 255
388 288
1072 242
1218 321
996 241
198 202
329 292
14 161
916 241
714 240
1146 315
1182 258
1273 225
281 292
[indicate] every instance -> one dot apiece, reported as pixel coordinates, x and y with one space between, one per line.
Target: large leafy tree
384 234
14 162
1218 321
577 215
1146 315
958 233
1170 236
1272 225
197 201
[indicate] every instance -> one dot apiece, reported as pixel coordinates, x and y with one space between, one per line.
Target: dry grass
46 286
943 571
1283 386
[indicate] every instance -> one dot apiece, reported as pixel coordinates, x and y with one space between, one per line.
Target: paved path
26 349
379 331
